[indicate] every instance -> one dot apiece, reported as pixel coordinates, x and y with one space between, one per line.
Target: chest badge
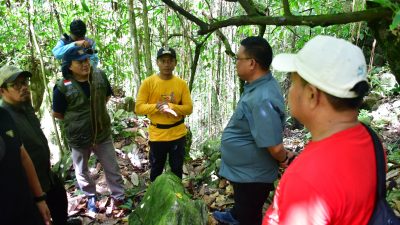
67 82
10 133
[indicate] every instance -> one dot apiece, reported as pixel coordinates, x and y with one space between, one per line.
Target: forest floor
132 154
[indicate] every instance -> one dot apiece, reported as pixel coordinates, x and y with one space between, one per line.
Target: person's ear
313 95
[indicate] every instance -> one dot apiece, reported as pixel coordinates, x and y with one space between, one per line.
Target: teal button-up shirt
256 124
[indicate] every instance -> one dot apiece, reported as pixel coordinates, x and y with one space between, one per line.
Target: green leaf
84 6
396 21
385 3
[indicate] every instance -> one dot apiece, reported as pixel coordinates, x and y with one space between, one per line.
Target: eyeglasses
18 85
243 58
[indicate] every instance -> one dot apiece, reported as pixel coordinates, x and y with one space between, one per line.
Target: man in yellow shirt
165 99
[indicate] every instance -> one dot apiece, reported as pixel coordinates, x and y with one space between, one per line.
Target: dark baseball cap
166 51
10 73
75 53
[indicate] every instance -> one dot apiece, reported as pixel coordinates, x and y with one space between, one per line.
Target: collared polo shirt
256 124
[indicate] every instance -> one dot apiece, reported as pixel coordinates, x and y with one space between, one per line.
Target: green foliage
365 117
378 86
393 152
84 6
212 156
62 167
121 120
396 9
188 144
393 197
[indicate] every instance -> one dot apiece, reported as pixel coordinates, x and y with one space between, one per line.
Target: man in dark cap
20 183
165 99
76 38
80 100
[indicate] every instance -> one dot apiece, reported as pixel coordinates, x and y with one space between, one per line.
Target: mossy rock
166 203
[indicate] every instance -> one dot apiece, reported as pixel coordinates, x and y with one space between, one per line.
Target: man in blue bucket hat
80 100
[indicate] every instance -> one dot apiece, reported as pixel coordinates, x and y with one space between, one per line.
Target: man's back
333 181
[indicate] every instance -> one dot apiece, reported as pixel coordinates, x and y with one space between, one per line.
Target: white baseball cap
332 65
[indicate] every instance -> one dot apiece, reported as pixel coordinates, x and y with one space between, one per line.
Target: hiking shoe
91 204
225 217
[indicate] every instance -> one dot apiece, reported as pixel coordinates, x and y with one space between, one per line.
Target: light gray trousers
105 153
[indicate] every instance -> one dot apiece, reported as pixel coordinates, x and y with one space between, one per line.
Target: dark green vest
86 120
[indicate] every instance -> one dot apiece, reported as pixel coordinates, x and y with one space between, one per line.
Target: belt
167 126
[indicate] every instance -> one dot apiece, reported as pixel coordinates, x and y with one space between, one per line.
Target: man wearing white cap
333 181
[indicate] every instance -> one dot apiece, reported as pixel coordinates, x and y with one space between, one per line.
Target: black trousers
158 156
57 202
249 200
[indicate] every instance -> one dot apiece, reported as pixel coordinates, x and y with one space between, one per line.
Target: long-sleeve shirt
175 92
60 49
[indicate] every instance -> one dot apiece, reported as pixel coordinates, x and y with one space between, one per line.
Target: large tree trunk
388 40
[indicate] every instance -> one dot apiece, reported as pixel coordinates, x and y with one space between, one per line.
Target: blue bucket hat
75 53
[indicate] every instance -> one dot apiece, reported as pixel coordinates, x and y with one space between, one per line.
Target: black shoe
74 221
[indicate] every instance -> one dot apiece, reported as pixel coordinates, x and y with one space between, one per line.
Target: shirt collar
249 87
18 107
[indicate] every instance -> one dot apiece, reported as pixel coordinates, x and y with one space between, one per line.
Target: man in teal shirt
251 144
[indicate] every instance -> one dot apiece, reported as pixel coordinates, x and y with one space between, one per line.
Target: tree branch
228 49
286 8
186 14
311 21
249 7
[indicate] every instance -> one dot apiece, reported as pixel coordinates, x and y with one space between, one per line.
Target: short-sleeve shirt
333 181
256 124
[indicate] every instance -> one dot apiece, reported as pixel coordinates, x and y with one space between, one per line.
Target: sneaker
114 210
91 204
225 217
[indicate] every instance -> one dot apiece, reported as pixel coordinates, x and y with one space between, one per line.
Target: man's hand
163 107
45 212
289 158
82 43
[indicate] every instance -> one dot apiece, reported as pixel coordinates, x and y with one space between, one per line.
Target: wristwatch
41 197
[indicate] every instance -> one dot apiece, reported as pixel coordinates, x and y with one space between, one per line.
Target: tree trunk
35 43
146 39
389 42
57 16
135 47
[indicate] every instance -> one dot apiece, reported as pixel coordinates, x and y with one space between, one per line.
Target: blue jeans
158 156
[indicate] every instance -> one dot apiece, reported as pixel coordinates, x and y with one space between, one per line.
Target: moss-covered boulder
166 203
